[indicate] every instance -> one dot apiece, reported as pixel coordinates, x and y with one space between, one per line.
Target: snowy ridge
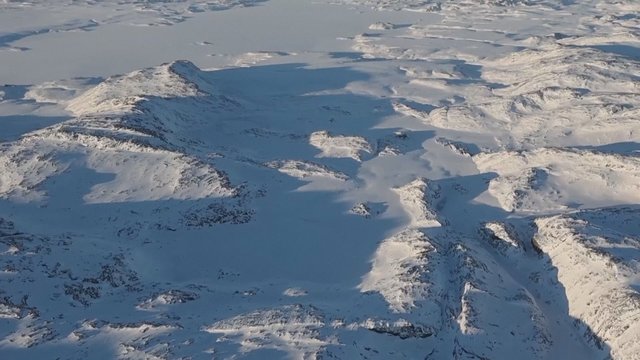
141 105
598 272
124 119
549 178
293 328
419 199
306 170
485 289
398 268
121 93
503 237
455 293
340 146
552 92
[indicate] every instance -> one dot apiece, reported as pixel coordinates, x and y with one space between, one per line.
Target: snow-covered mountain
320 179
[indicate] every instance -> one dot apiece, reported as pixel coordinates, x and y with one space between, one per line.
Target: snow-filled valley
319 179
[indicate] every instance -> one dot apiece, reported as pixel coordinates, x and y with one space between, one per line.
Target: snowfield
313 179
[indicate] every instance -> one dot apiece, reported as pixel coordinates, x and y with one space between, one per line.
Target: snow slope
342 179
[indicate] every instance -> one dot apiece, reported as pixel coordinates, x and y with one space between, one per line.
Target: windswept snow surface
375 179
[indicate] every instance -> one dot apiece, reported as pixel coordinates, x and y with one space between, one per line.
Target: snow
319 179
418 199
305 169
551 179
598 272
292 329
340 146
396 270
